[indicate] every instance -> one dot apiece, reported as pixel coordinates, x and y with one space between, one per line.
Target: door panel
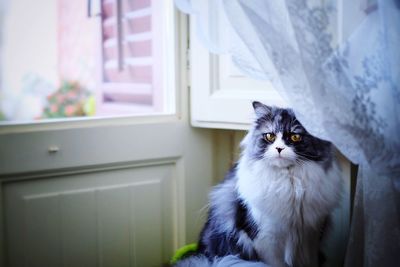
72 206
75 202
123 217
90 146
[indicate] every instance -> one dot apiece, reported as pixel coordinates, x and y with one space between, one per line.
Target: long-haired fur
273 205
227 261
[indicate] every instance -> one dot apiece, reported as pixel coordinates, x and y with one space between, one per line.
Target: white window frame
221 95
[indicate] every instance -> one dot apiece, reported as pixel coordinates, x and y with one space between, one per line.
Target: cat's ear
260 109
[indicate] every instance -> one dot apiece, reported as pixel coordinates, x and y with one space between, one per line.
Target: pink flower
72 94
60 98
53 108
69 110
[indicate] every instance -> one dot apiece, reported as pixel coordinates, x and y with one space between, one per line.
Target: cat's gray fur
273 205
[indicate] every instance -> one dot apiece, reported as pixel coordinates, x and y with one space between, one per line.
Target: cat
273 205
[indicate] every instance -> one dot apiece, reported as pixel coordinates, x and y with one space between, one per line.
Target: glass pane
75 58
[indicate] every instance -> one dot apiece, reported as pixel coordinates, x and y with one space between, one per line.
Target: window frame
176 58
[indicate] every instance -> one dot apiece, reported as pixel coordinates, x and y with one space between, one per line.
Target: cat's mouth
281 161
281 157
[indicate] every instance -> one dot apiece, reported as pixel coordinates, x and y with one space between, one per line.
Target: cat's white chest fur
283 201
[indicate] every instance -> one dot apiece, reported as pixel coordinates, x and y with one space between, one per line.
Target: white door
104 192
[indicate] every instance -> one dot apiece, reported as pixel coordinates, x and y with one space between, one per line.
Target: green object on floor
184 252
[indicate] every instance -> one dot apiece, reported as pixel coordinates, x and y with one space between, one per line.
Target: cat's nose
279 149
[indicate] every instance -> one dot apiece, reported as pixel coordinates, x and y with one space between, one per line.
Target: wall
30 41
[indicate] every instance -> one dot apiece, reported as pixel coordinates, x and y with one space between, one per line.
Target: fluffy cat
273 205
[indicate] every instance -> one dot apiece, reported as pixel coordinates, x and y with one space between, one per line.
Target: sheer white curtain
337 63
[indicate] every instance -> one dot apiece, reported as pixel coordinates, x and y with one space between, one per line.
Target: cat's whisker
307 155
301 162
303 158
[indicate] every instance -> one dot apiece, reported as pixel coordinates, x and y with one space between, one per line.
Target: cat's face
280 140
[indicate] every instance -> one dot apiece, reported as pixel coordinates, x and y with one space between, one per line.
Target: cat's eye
295 137
270 137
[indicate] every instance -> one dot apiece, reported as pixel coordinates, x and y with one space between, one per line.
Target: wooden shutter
131 46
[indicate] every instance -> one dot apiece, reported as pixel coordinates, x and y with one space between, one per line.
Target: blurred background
81 58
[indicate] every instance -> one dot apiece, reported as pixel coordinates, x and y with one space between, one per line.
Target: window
87 58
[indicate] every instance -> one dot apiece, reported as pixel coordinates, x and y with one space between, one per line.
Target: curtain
337 63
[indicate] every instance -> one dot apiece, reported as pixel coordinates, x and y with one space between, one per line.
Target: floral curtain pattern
338 65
